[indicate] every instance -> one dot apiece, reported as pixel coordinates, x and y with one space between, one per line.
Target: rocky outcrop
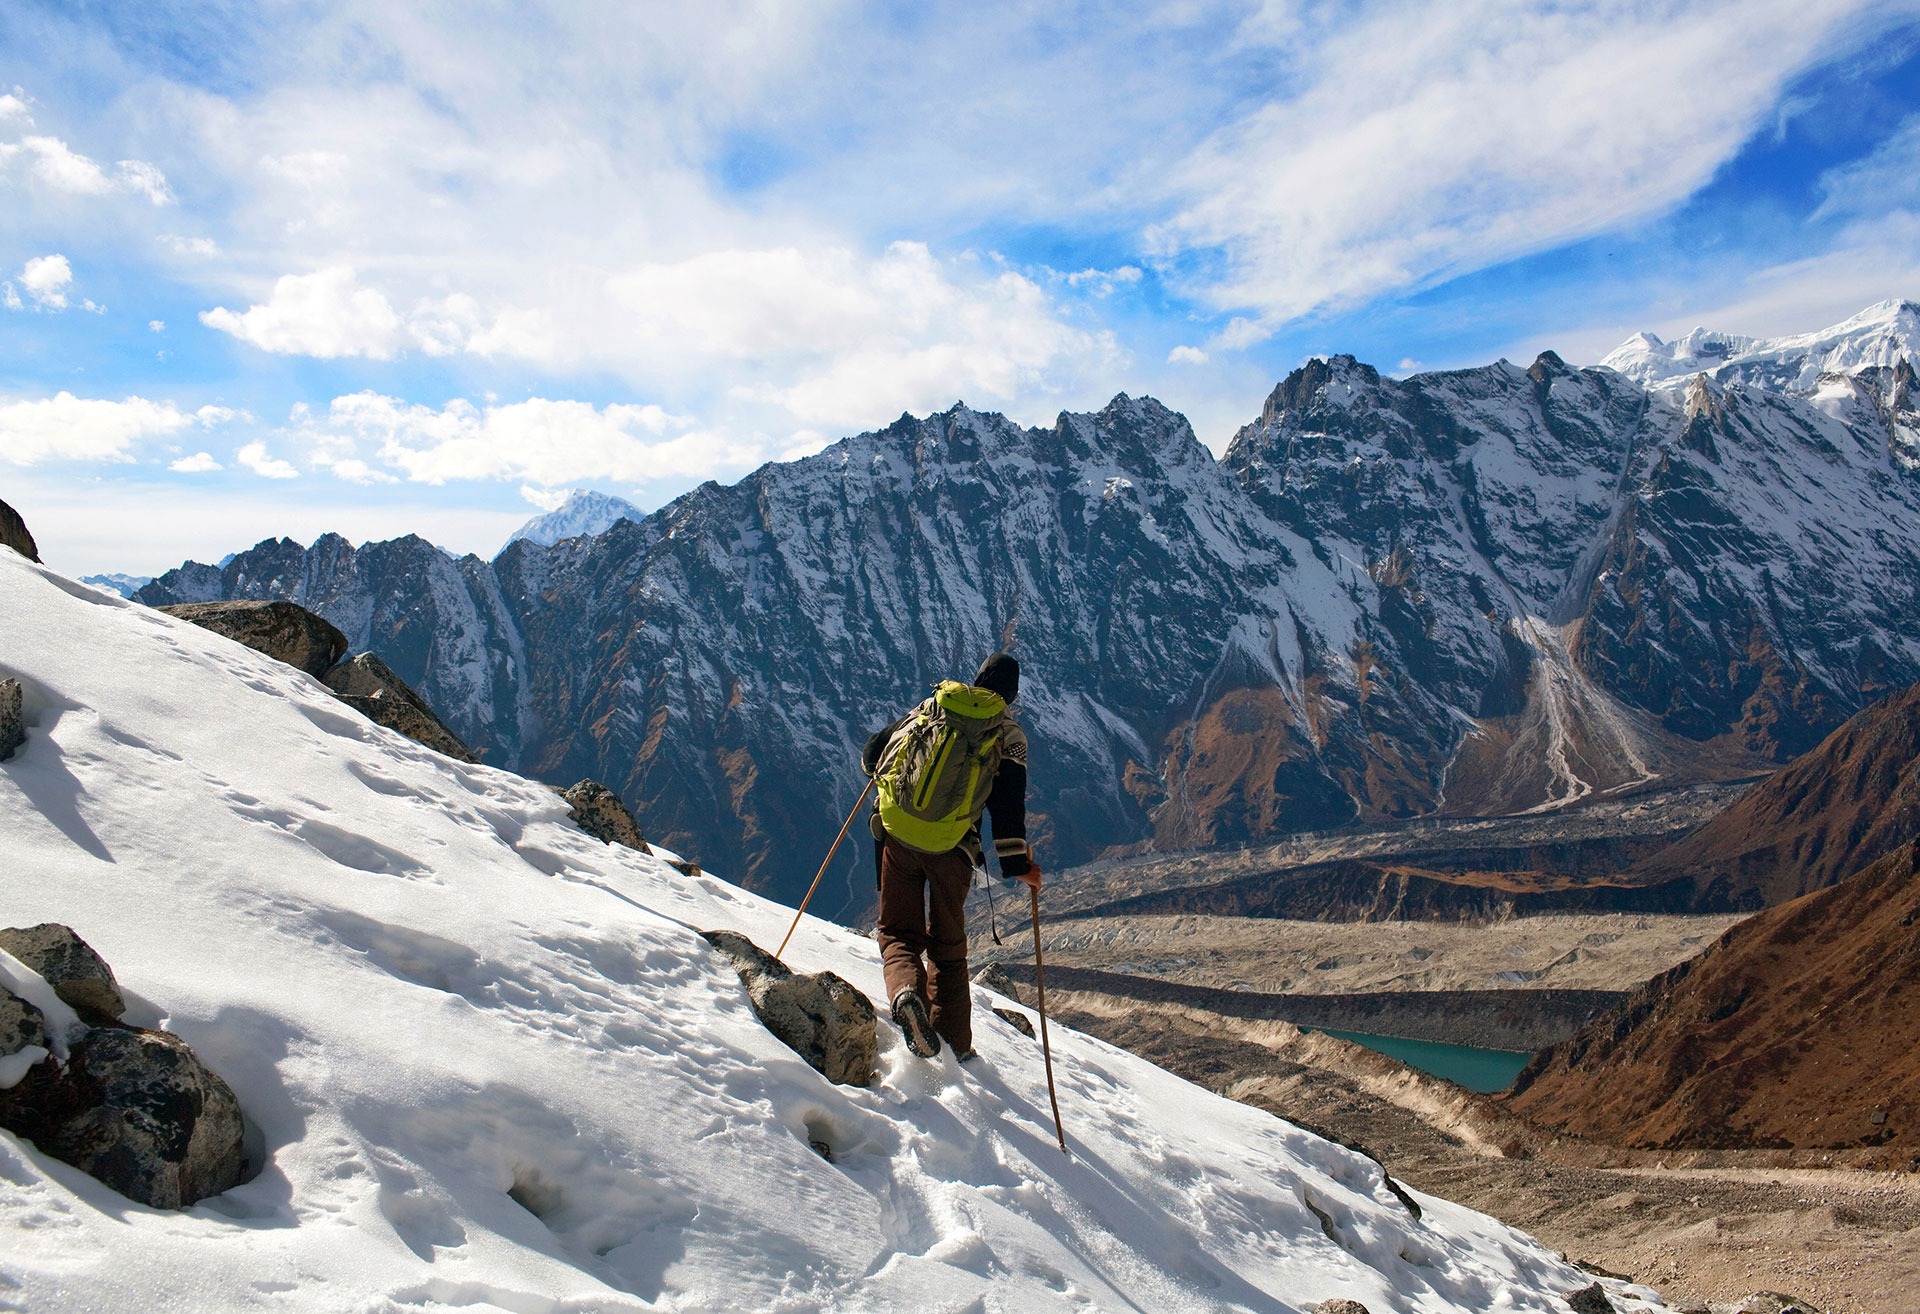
13 725
281 630
78 975
818 1015
131 1107
14 533
599 811
1591 1299
369 686
1821 818
1796 1029
136 1110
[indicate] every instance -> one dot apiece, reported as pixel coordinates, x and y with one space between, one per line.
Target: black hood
1000 673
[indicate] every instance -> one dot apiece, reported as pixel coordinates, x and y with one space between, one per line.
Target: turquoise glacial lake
1485 1070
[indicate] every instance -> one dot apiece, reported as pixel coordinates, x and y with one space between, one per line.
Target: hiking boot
969 1056
910 1014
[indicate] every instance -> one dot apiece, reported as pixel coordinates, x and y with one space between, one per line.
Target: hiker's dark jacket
1006 802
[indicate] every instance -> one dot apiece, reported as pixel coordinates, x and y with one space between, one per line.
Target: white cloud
256 458
68 428
198 463
10 298
189 246
12 107
139 176
1186 356
1886 179
46 279
538 441
547 499
156 326
325 314
1104 282
1427 141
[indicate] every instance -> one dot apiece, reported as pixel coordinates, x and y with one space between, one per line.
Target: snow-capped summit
1880 335
585 512
489 1061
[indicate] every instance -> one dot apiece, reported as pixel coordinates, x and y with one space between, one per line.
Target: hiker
935 770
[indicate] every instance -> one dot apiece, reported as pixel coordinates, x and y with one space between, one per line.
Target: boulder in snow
369 686
13 533
135 1110
1591 1300
78 975
1339 1307
13 725
599 811
819 1015
281 630
1017 1020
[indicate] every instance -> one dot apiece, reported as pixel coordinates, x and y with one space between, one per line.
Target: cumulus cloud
51 163
69 428
255 457
46 279
198 463
1186 356
538 441
325 314
1423 142
189 246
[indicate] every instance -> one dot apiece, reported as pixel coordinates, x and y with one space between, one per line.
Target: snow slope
496 1068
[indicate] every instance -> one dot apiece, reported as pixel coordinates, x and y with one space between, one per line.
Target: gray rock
13 725
820 1016
599 811
138 1112
78 975
13 533
1765 1302
685 866
1339 1307
1017 1020
281 630
1590 1300
369 686
20 1024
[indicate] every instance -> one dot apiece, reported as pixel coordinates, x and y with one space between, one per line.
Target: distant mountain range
1483 591
583 514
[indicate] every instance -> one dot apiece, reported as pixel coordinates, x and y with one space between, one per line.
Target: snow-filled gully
495 1067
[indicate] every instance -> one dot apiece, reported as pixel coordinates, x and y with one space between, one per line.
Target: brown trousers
923 898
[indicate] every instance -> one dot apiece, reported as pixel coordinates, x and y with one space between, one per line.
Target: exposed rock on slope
281 630
1797 1029
369 686
14 533
1484 591
1827 814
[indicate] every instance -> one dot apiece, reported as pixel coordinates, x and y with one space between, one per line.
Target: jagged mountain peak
1883 334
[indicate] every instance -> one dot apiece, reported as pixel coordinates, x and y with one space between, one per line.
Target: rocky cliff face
1484 591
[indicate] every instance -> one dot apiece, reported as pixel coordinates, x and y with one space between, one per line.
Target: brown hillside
1799 1028
1825 815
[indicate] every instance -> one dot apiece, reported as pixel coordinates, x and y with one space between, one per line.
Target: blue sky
279 268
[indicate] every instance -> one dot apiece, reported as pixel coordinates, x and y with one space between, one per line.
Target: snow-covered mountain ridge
492 1064
1879 337
1482 591
584 512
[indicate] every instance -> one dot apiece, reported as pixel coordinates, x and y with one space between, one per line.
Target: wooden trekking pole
801 910
1040 984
